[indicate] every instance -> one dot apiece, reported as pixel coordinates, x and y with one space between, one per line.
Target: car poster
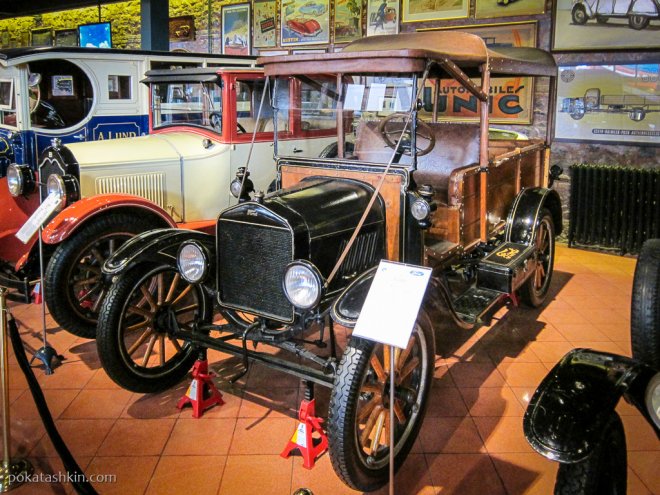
433 10
264 23
236 29
348 20
512 97
382 17
486 9
592 25
305 22
608 103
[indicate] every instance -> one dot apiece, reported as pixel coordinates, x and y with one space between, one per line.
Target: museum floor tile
471 440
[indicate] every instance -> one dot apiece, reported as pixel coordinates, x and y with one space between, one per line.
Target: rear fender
569 411
526 211
643 7
79 213
159 246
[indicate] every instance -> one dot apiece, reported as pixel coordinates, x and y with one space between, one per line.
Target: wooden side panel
391 193
531 169
471 208
502 190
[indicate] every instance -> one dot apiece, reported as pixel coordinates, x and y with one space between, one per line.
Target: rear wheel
359 412
638 22
601 19
579 14
136 342
534 291
75 286
645 311
604 472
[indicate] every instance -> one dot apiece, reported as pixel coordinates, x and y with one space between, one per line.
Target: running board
475 302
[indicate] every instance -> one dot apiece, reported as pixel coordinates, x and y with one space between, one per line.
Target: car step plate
475 302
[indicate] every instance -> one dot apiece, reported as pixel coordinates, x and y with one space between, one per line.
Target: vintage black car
285 269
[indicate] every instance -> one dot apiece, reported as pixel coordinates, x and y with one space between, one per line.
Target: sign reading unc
115 131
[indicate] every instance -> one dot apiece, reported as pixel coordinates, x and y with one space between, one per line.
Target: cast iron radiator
614 207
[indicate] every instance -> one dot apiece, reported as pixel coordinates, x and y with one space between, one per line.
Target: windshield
364 102
187 103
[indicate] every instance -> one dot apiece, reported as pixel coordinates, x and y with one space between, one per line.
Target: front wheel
359 411
535 289
75 286
136 340
604 472
638 22
645 310
579 15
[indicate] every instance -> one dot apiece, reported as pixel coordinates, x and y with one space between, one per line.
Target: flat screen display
95 35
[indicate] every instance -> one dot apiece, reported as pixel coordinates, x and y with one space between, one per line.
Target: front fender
643 7
566 416
72 217
526 211
157 246
347 307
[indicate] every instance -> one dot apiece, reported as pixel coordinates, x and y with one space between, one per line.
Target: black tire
535 289
645 308
604 472
332 150
600 19
579 15
638 22
132 321
355 393
74 286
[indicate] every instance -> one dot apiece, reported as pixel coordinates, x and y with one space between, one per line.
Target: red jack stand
302 439
202 392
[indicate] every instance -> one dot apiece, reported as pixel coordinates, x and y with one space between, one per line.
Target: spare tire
645 310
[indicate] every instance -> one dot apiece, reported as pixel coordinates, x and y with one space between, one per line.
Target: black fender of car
526 211
155 246
567 415
346 308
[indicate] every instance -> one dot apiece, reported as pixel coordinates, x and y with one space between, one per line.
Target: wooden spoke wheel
137 339
536 288
359 414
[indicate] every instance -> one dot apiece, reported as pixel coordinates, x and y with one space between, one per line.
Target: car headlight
64 187
20 179
653 399
420 209
193 262
302 284
235 187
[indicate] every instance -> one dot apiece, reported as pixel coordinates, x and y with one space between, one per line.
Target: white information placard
37 219
390 310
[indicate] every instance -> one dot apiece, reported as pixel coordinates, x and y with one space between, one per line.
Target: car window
7 103
61 94
187 103
248 99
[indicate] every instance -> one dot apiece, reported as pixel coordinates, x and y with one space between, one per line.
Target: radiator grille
149 186
251 263
614 207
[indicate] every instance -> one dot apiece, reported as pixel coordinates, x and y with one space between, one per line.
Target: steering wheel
34 102
391 135
240 128
216 121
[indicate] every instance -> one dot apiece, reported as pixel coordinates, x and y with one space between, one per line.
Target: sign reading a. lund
116 131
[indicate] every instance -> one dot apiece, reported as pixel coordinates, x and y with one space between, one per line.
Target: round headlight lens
235 187
653 399
302 285
192 263
420 209
55 185
15 180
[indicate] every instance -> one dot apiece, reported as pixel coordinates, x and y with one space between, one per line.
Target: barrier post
13 472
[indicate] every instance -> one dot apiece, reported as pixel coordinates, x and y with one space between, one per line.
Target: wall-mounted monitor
96 35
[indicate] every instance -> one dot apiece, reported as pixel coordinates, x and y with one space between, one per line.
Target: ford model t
394 184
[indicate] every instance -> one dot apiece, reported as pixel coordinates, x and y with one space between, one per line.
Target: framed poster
587 25
512 97
41 37
305 22
264 23
66 37
382 17
609 103
236 29
182 28
272 53
62 86
486 9
434 10
348 20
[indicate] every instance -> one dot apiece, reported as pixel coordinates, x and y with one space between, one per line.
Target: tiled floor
471 440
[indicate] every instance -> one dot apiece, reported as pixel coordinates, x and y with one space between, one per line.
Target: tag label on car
38 218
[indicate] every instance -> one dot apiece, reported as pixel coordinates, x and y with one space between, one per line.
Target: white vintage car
202 122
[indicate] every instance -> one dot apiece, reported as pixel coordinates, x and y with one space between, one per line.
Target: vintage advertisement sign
609 103
382 17
348 20
305 22
511 98
236 29
433 10
264 24
487 9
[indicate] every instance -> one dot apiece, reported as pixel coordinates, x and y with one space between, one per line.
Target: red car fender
71 218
